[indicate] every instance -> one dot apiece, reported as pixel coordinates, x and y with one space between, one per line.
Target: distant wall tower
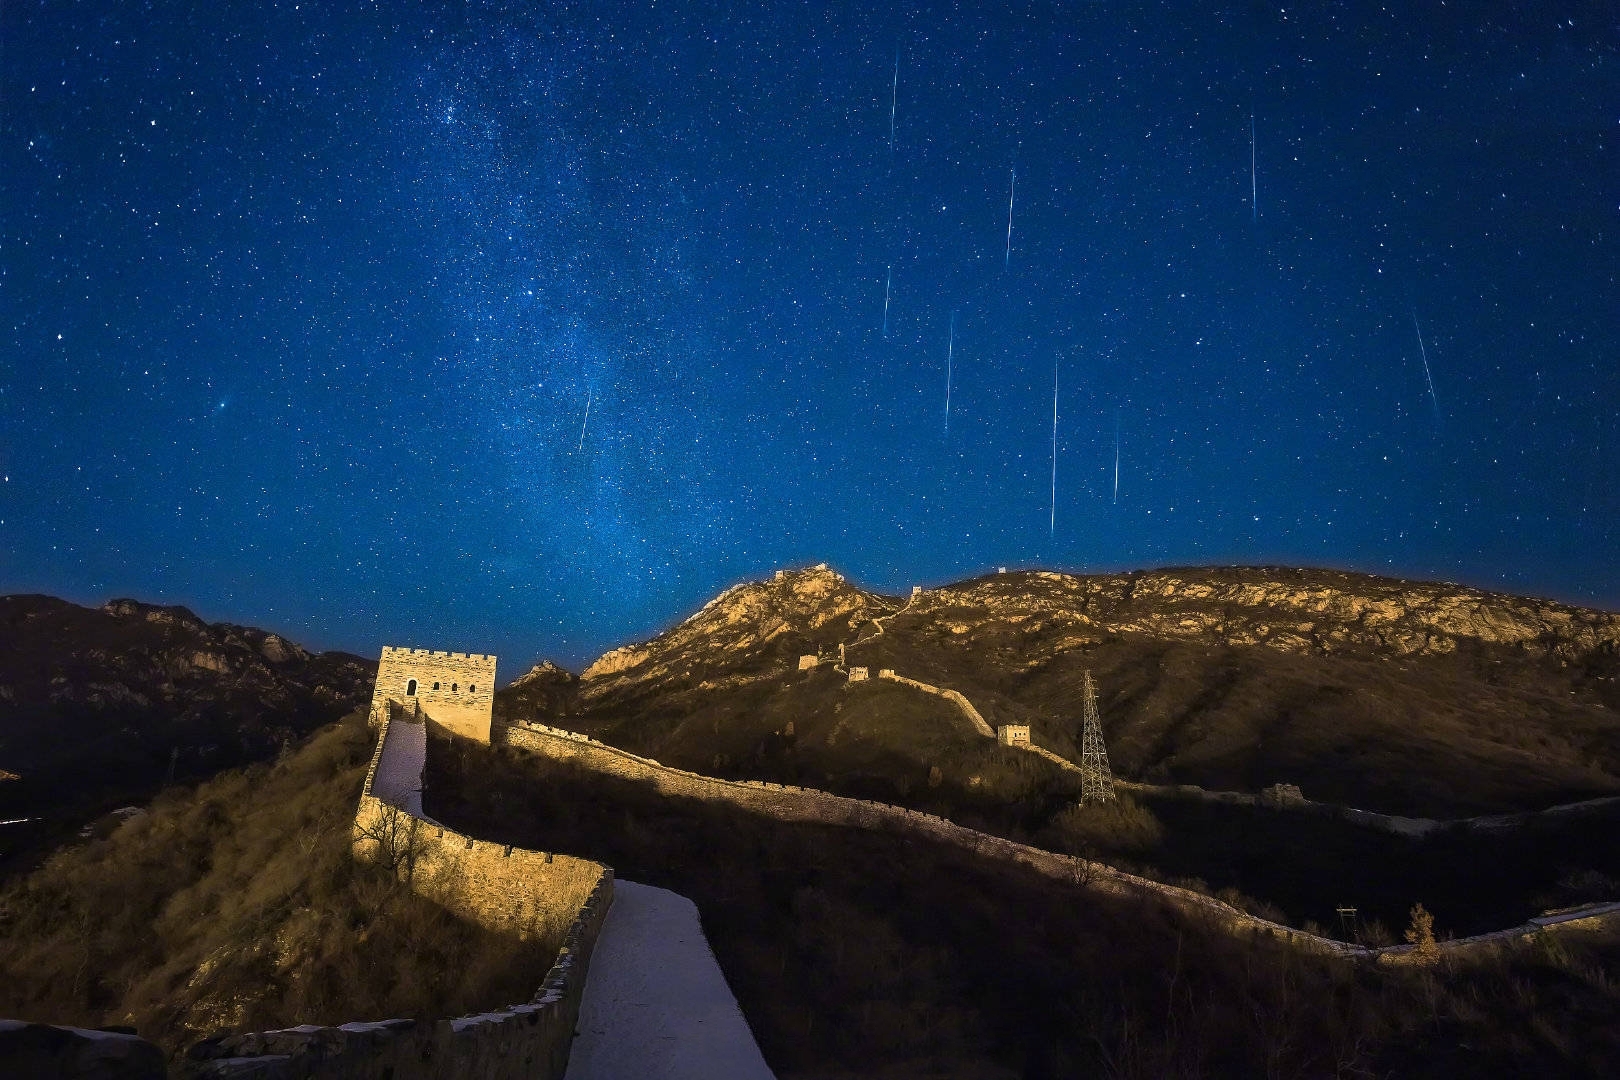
454 690
1096 778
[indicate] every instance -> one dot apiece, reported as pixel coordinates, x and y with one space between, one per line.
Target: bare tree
390 833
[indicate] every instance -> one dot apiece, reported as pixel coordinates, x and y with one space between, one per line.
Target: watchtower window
410 688
472 689
435 686
454 688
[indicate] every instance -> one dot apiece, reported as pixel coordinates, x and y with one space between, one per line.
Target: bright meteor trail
1429 377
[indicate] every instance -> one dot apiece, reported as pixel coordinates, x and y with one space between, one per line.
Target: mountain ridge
1419 698
1402 616
103 705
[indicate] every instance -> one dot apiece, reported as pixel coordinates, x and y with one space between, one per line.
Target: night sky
303 306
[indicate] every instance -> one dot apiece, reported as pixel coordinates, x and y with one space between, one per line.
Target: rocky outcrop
1301 611
1293 610
1409 697
746 621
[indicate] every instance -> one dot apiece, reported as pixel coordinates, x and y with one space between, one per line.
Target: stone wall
953 696
45 1050
789 803
500 887
503 888
454 690
527 1040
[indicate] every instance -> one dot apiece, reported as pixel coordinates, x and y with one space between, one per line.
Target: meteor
1012 187
1427 375
1116 461
1051 524
588 393
894 96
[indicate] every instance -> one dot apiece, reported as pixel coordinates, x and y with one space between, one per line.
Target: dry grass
237 906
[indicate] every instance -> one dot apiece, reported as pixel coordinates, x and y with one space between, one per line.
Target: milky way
303 310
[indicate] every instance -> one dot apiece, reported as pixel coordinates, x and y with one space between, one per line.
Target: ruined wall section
454 690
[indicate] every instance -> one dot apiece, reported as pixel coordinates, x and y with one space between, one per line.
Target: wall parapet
787 802
503 888
437 654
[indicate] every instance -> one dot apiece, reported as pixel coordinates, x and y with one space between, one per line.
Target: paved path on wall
656 1005
400 760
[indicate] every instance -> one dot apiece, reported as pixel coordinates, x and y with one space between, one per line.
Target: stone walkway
400 761
656 1004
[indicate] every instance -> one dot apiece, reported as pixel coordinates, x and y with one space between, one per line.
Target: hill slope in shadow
100 706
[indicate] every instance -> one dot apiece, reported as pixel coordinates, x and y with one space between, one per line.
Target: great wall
510 889
520 892
503 888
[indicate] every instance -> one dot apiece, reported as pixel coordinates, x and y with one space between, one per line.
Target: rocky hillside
747 621
101 705
1408 697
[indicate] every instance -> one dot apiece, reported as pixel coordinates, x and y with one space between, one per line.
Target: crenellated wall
503 888
788 803
454 690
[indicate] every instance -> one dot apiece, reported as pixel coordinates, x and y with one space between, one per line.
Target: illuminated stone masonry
453 690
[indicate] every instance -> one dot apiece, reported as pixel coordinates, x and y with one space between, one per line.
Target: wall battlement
454 690
503 888
438 654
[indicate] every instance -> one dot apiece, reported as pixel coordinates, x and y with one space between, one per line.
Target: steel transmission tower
1096 778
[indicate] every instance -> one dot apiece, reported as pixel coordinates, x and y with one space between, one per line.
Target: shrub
1098 829
1420 935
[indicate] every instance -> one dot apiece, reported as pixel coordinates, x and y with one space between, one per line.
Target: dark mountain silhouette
100 706
863 951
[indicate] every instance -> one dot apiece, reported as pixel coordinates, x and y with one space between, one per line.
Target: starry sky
528 328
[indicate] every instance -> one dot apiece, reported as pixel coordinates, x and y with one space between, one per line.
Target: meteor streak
1427 375
1012 187
894 96
1254 184
950 353
588 394
1051 524
1116 461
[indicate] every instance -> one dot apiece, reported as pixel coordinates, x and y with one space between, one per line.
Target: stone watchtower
454 690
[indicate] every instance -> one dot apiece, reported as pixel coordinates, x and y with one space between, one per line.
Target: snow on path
656 1004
